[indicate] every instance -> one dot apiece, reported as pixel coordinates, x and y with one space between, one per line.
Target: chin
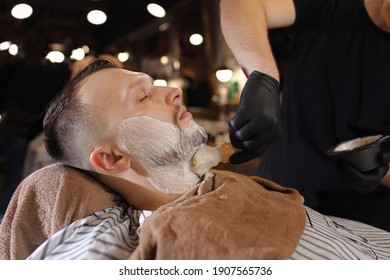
173 179
186 122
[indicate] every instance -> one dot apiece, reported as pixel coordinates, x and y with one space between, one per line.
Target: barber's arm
245 26
245 23
386 180
385 14
379 12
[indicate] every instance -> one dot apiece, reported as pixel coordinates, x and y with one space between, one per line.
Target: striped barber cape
112 234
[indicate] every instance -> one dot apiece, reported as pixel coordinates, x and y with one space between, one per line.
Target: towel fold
47 201
227 216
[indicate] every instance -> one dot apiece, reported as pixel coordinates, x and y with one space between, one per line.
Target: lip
184 113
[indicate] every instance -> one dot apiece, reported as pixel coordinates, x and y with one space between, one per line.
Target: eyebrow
139 81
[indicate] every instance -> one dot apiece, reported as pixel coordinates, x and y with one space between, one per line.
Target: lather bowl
363 153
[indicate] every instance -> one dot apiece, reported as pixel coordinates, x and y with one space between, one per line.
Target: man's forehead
109 80
106 76
115 71
117 75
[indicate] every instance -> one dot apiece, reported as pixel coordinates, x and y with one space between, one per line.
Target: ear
109 160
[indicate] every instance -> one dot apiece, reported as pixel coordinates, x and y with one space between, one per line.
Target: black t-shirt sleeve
331 15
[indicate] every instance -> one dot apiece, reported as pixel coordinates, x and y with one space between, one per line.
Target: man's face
119 94
156 143
163 150
148 122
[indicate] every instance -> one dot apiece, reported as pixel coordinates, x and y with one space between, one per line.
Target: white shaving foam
163 150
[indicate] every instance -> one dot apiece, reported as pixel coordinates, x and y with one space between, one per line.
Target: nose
171 95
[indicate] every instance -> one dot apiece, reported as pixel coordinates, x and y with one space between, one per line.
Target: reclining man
138 139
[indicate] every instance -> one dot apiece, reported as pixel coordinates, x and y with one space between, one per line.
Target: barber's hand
257 123
361 182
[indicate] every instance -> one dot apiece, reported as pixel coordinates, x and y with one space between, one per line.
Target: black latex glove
363 182
257 123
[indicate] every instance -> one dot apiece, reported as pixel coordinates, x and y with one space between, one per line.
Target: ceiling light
78 54
123 56
55 57
85 48
196 39
224 74
13 49
21 11
97 17
5 45
164 60
160 83
176 65
156 10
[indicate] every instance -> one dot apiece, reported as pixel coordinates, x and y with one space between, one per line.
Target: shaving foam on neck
207 157
163 150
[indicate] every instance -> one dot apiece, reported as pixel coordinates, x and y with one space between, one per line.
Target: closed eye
144 97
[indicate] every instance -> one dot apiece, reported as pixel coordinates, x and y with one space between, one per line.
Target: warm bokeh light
224 75
123 56
156 10
176 82
176 65
164 60
55 57
164 26
85 48
160 82
196 39
78 54
97 17
21 11
5 45
57 46
13 49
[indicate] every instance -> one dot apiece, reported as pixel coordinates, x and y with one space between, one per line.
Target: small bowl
362 153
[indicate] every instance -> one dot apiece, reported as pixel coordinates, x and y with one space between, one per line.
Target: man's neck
141 197
172 179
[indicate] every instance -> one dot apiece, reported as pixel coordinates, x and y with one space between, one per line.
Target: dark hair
69 126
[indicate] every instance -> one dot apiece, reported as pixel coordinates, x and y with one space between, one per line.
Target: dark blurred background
159 46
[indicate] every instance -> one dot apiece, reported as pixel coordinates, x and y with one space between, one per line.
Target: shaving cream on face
163 150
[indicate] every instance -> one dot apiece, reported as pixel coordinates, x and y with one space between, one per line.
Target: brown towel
229 216
44 203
